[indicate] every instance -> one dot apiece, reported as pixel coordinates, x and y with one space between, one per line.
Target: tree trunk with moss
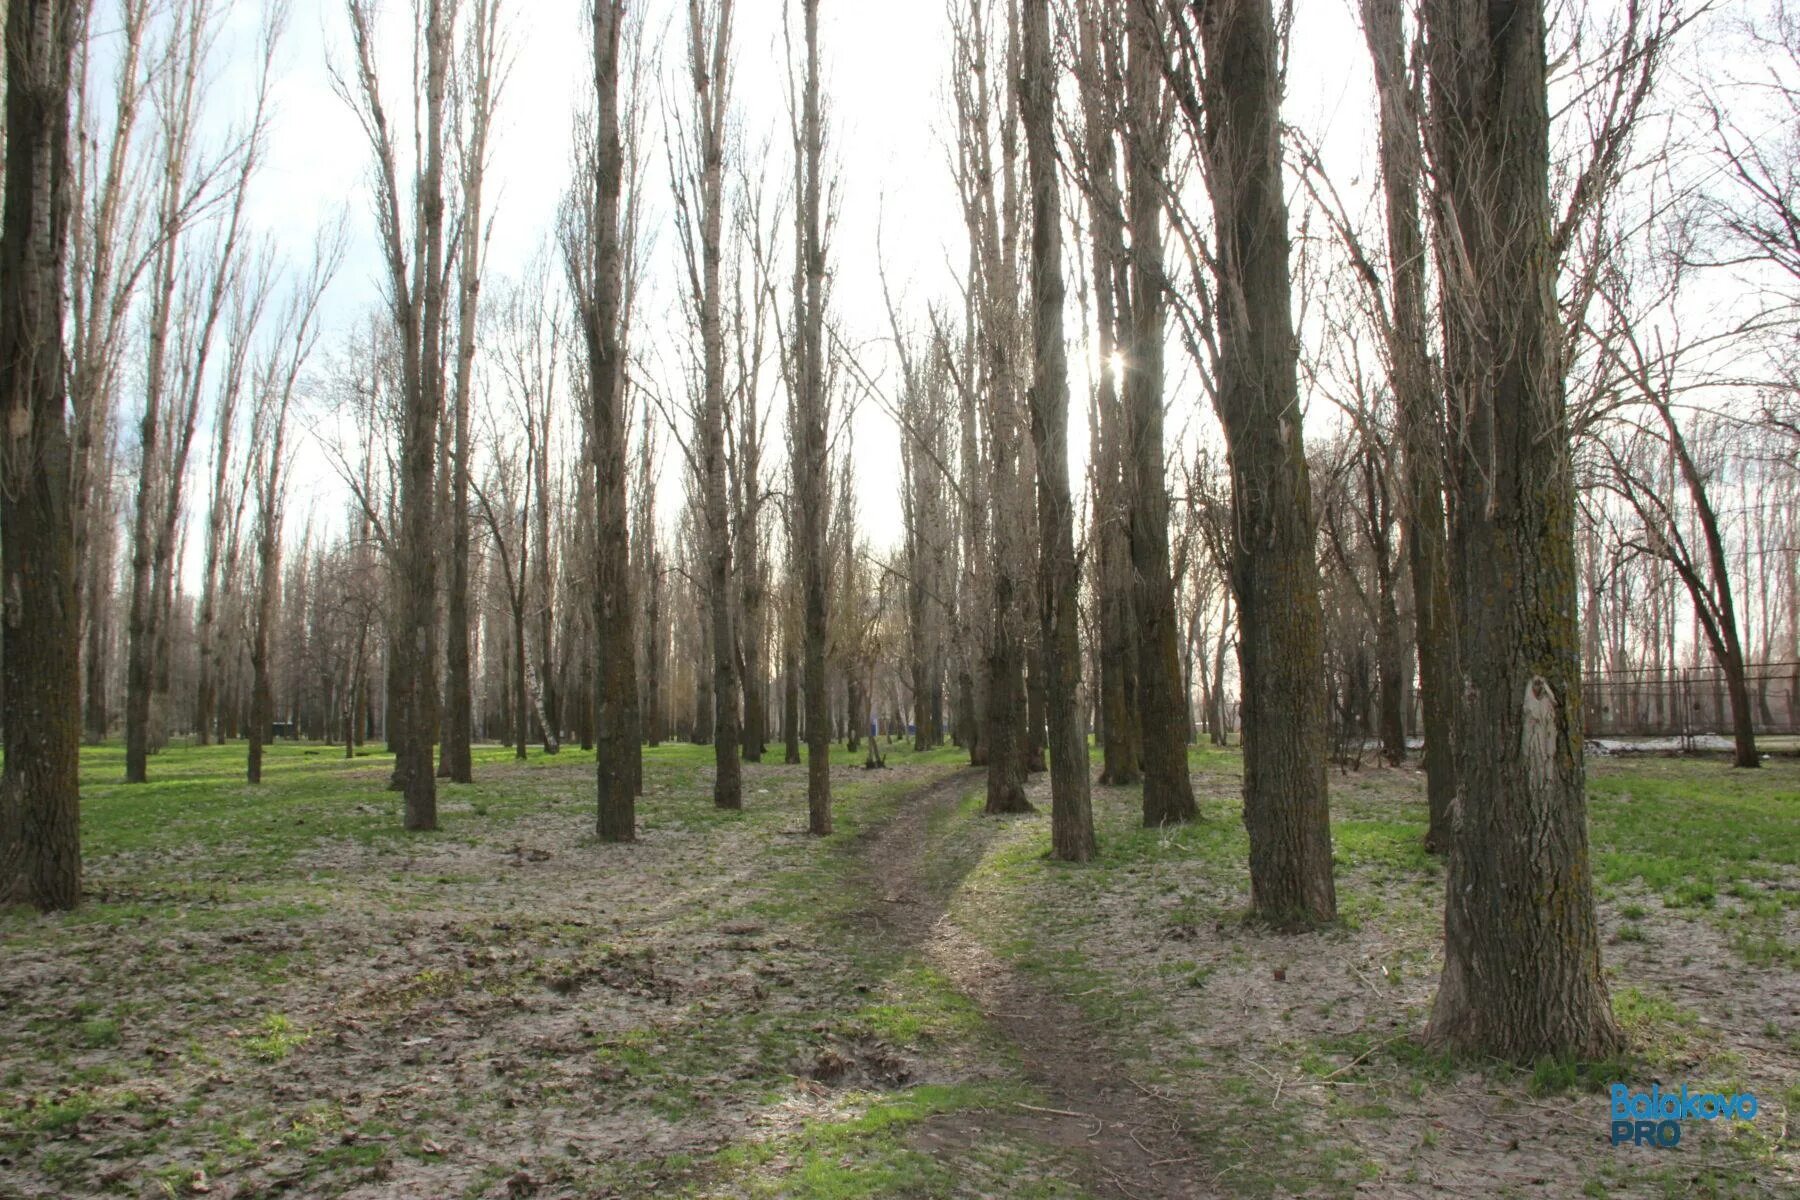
1274 568
1521 976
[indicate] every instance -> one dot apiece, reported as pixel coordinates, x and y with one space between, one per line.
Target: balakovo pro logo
1654 1118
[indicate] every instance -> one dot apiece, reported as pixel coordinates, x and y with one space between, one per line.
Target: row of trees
1518 423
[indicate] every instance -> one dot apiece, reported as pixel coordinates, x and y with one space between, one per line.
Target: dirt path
1134 1140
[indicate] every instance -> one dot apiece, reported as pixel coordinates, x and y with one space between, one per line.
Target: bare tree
506 504
276 381
699 181
1059 574
109 252
1521 972
988 178
188 295
1420 417
927 499
595 242
528 339
482 76
747 437
226 502
1703 563
414 260
1162 710
1227 82
649 573
809 409
1100 69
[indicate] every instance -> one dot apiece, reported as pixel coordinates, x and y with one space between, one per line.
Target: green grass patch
275 1039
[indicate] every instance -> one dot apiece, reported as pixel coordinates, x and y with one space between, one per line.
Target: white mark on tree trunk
1537 739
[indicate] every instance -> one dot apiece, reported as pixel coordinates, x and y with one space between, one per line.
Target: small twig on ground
1263 1069
1372 1049
1118 1180
1148 1090
1055 1112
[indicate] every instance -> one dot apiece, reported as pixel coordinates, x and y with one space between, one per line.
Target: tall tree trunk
653 648
1036 702
153 471
1715 605
972 589
1521 972
1215 720
1391 664
855 710
456 759
457 763
709 64
1007 701
416 560
618 749
262 697
1274 565
1168 792
40 697
101 242
1419 418
1390 648
810 422
752 583
1005 715
1121 730
138 634
790 706
522 722
544 596
1059 574
755 729
97 616
996 345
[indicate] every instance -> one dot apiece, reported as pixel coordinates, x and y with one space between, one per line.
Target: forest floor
276 992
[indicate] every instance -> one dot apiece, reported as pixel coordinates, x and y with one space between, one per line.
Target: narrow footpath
1134 1140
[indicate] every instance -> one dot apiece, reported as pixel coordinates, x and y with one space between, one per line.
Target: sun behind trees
633 486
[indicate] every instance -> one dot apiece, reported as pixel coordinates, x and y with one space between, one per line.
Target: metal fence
1686 701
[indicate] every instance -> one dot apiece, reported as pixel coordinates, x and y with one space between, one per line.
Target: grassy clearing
276 990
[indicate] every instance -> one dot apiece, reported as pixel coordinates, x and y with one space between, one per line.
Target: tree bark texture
1274 567
1059 575
1162 711
40 707
1521 974
1420 417
617 746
